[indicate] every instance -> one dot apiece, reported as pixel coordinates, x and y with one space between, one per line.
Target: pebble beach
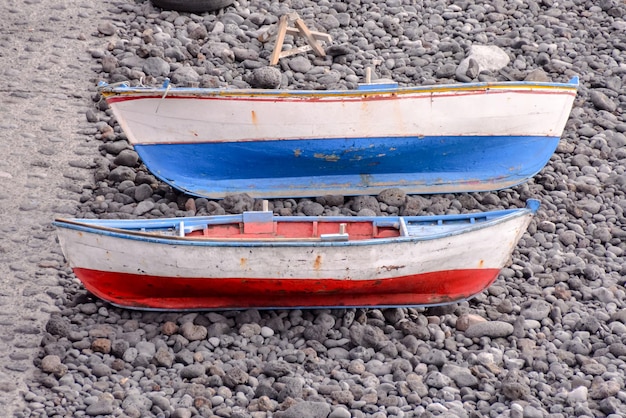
547 339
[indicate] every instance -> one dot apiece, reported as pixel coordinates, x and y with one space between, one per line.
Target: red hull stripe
154 292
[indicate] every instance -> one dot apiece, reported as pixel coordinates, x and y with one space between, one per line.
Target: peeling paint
392 268
327 157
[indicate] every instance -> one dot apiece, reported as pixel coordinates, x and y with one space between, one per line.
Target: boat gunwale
492 218
110 92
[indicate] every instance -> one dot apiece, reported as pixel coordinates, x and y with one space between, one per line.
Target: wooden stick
319 36
265 36
293 51
309 37
282 30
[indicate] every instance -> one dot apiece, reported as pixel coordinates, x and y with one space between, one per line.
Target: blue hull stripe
352 166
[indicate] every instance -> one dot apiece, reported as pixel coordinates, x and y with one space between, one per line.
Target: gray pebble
143 207
492 329
115 147
393 197
435 357
127 158
536 310
306 409
193 332
58 326
266 78
267 332
121 173
156 67
52 364
102 407
300 64
601 101
339 412
106 28
191 371
463 377
163 357
143 192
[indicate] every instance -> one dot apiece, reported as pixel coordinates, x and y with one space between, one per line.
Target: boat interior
294 230
263 225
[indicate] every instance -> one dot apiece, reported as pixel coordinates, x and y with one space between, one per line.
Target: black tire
193 6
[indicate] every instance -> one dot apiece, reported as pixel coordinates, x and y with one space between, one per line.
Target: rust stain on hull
317 264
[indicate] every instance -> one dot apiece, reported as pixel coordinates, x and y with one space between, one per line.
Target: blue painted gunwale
144 229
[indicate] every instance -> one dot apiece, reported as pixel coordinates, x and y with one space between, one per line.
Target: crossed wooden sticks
300 29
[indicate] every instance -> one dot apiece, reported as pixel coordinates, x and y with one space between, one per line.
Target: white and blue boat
289 143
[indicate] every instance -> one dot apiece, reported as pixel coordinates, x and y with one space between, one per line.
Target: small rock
193 332
306 409
266 78
192 371
491 329
143 207
127 157
52 364
235 376
122 173
266 332
392 197
536 309
300 64
601 101
101 345
163 357
577 395
181 413
339 412
464 321
106 28
102 407
58 326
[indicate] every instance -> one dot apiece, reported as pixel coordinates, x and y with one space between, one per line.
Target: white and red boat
259 260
